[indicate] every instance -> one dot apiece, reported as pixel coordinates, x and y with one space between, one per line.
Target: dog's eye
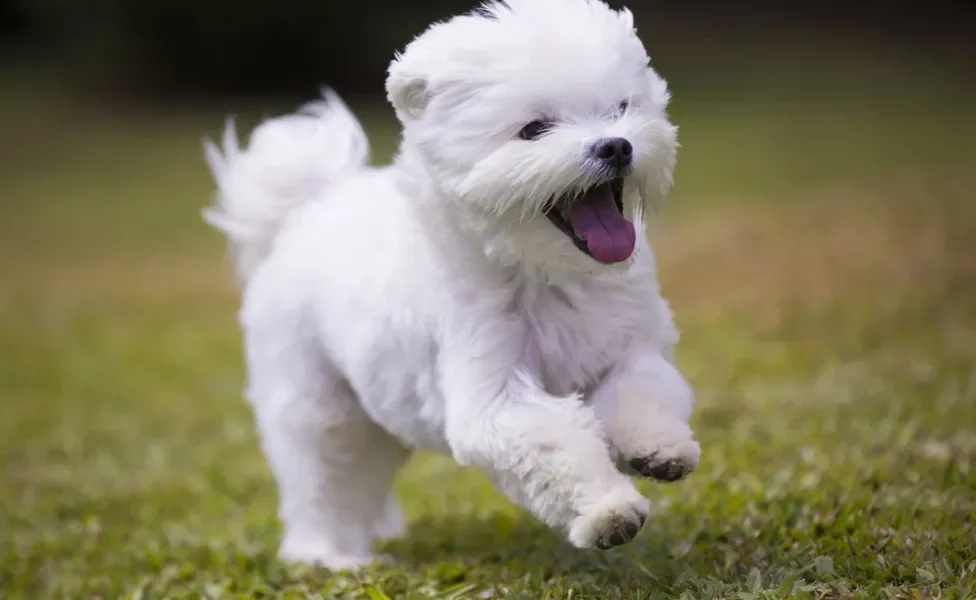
624 106
535 130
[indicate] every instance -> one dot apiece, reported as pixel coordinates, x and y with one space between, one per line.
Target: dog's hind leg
334 467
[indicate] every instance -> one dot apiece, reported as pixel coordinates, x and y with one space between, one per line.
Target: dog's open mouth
595 222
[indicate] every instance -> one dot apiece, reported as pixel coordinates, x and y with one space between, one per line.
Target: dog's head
544 122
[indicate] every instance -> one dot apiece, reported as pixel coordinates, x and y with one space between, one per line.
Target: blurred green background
819 250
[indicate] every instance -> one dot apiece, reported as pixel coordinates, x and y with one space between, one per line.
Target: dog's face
544 122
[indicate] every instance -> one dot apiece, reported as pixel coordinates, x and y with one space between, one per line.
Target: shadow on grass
519 547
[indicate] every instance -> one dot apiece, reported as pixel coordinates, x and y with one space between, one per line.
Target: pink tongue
597 221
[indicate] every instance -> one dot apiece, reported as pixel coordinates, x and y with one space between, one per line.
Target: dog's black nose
615 152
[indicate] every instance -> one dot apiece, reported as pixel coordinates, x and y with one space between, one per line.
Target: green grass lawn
820 257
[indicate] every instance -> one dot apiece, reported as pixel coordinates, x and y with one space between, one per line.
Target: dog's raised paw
611 523
668 471
673 455
621 532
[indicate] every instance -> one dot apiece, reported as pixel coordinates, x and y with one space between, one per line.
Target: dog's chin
594 221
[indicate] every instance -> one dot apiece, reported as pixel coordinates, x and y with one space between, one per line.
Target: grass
822 262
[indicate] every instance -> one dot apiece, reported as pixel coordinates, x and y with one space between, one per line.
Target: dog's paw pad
671 457
622 532
666 471
612 524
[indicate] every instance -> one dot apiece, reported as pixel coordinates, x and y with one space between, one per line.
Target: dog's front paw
612 521
319 554
668 455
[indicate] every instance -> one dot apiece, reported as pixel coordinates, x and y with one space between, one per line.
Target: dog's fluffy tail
288 162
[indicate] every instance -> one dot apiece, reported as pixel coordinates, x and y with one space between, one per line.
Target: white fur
429 305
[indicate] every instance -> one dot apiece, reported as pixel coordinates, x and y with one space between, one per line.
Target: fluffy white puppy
490 294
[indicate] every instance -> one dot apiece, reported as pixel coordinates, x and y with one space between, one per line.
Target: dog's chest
575 336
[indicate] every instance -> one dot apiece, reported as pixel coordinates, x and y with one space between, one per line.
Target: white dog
490 294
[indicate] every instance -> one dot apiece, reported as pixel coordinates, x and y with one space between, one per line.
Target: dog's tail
288 162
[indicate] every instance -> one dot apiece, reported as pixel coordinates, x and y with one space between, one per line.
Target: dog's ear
658 89
626 19
407 89
657 174
432 63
